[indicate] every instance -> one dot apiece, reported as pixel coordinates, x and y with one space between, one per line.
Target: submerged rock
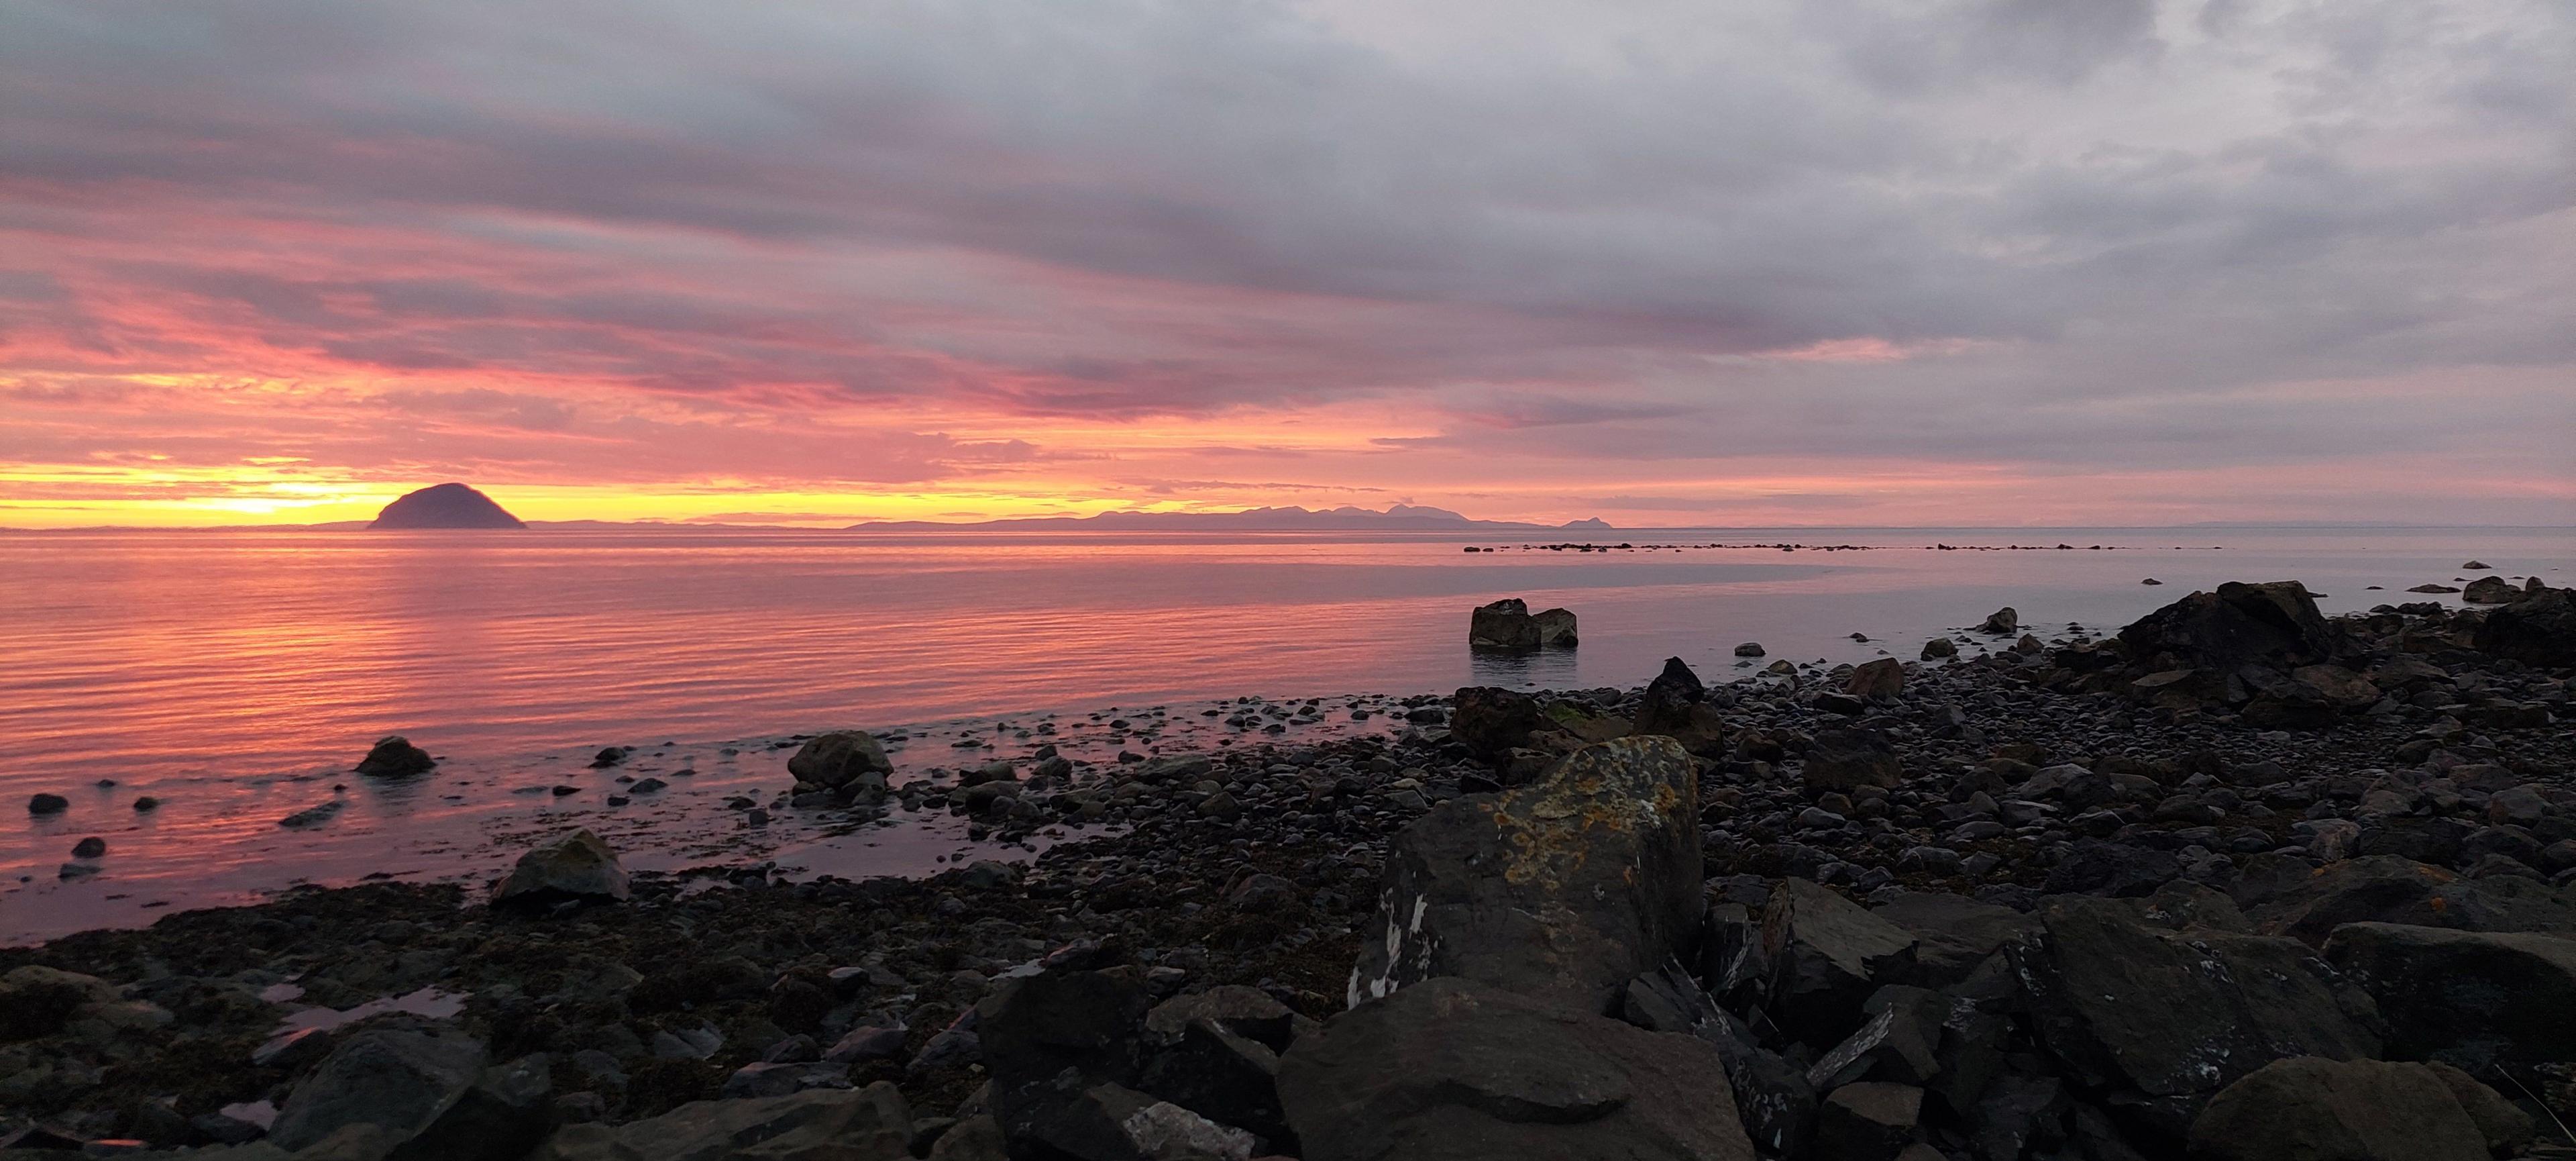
575 868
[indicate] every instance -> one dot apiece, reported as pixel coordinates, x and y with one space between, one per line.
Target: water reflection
1524 669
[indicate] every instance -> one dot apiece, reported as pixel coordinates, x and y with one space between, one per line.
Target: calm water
254 661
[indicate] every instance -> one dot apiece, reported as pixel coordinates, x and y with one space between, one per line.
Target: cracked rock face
1563 889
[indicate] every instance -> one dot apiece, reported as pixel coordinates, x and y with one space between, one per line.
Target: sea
235 677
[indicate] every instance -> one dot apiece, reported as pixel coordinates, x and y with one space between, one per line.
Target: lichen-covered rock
1562 889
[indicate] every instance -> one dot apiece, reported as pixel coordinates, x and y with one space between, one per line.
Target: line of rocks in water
2240 882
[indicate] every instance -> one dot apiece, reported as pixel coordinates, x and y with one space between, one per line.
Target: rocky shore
2241 881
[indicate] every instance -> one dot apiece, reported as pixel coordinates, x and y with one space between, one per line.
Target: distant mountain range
1397 518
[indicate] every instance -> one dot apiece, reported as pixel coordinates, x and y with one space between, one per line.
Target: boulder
2003 622
1848 759
1489 720
1827 954
1868 1121
2309 905
2097 867
1772 1093
2164 1019
1562 889
841 759
44 804
2311 1108
1938 648
398 1081
1216 1053
869 1124
37 1001
1508 624
2538 630
1952 933
2467 998
395 757
575 868
1676 706
2490 590
1883 679
2274 624
1452 1070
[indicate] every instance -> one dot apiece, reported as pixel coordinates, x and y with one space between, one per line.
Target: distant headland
445 506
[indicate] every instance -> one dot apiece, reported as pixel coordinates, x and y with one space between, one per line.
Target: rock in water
1676 706
48 804
1508 624
2490 590
445 506
1450 1070
2539 629
2003 622
2346 1110
1562 889
869 1124
838 759
396 757
2275 624
577 867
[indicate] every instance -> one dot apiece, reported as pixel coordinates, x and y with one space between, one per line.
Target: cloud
662 243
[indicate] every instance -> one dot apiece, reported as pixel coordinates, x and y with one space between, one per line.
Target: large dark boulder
1451 1070
840 760
1827 954
1489 720
2310 1108
2275 625
1508 624
2539 630
1562 889
444 506
2096 867
2162 1020
1216 1053
1676 706
398 1082
1952 933
2468 998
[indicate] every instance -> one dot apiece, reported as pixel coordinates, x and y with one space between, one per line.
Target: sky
1759 262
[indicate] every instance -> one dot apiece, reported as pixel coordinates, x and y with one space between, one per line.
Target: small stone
1749 649
48 804
89 848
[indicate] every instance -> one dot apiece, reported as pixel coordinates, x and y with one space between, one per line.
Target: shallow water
238 676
